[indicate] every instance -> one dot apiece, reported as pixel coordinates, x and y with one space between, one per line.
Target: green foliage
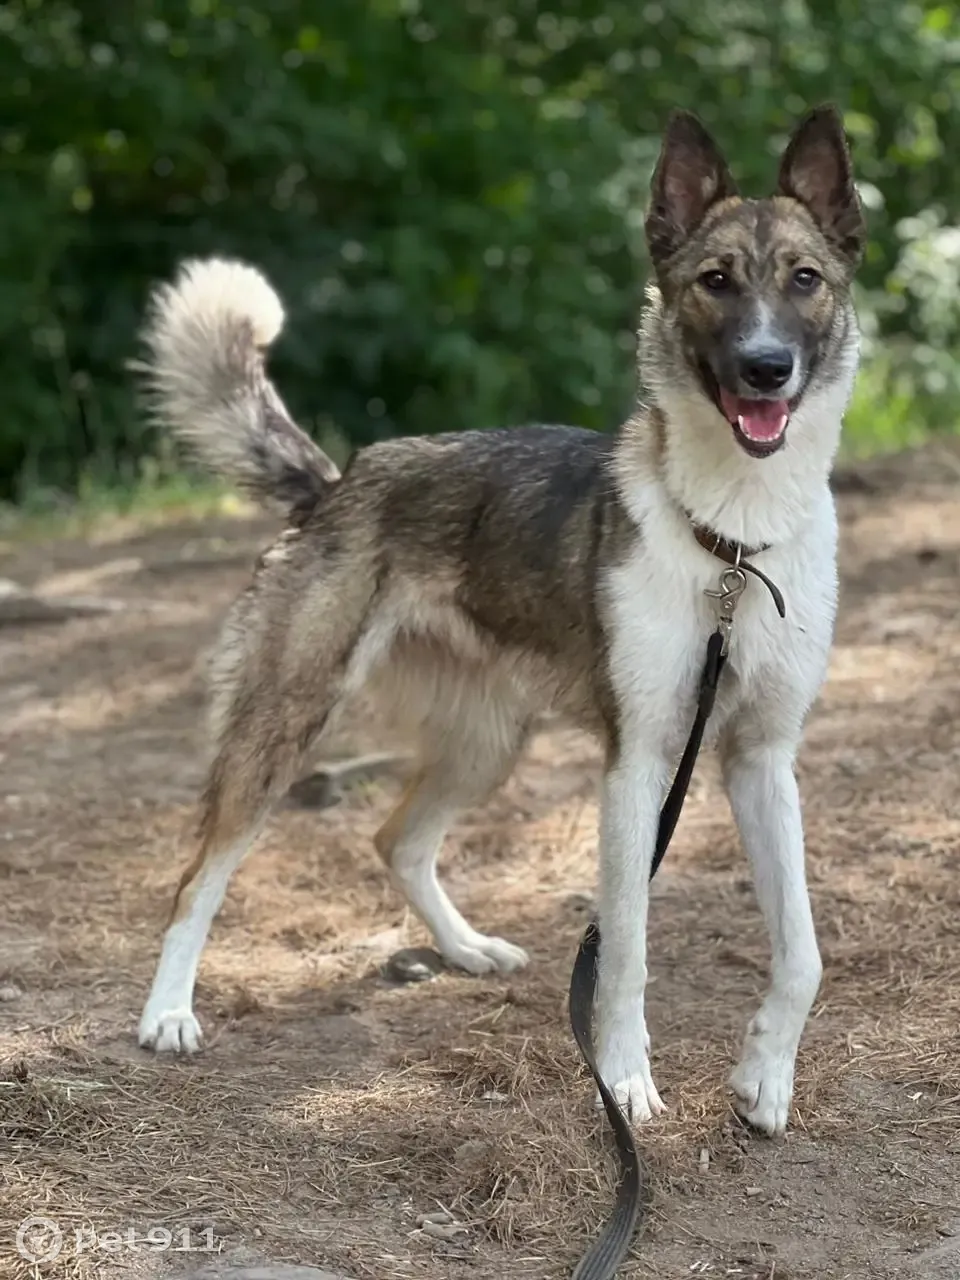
448 194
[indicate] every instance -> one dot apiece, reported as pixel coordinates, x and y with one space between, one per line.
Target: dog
475 580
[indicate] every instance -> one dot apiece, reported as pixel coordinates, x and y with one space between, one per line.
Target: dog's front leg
763 794
632 791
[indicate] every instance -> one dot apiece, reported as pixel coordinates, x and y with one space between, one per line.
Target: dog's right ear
691 175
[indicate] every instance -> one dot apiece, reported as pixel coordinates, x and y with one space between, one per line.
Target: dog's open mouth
760 426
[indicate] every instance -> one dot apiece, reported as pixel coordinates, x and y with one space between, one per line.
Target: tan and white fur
477 580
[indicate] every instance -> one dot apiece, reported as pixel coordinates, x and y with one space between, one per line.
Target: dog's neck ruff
738 556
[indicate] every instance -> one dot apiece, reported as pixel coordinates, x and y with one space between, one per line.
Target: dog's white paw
170 1031
480 954
638 1098
630 1080
763 1087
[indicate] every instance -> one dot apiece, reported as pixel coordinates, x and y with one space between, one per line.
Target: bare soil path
332 1110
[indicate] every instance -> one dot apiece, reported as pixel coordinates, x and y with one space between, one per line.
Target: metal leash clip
732 584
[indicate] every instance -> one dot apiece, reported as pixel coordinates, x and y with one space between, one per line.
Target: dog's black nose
766 370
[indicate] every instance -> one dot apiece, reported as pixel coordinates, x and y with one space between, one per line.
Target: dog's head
755 293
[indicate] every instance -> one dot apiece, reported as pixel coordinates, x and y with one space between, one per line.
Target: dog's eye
716 281
806 279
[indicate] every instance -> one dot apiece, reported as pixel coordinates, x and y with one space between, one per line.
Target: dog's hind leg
168 1023
411 839
253 768
285 663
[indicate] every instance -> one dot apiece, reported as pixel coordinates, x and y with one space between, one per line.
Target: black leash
604 1256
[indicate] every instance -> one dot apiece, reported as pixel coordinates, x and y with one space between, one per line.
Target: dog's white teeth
740 424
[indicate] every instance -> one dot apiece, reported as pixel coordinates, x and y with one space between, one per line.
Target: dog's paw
480 954
638 1098
631 1083
170 1031
763 1088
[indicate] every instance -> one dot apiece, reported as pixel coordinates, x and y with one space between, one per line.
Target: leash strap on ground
603 1258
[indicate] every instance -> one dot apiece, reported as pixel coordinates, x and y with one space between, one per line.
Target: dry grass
331 1111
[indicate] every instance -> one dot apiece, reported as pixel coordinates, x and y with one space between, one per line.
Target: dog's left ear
816 170
691 175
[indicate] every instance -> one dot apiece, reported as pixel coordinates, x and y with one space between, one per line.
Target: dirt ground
332 1109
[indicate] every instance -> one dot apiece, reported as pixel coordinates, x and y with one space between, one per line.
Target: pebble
269 1271
441 1226
413 964
441 1231
471 1155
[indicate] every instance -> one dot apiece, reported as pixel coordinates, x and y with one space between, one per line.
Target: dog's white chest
663 606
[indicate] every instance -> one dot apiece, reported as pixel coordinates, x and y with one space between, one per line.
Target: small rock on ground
413 964
268 1271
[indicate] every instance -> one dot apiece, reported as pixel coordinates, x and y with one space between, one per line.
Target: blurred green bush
448 194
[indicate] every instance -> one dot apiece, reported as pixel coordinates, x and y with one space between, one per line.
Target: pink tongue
757 419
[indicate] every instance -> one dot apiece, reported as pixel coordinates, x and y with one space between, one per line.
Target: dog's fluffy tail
206 337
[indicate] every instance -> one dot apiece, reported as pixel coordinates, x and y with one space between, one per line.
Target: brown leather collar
738 556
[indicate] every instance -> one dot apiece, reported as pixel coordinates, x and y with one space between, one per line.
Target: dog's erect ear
816 170
691 175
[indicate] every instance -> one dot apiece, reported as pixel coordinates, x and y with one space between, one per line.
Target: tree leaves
447 192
